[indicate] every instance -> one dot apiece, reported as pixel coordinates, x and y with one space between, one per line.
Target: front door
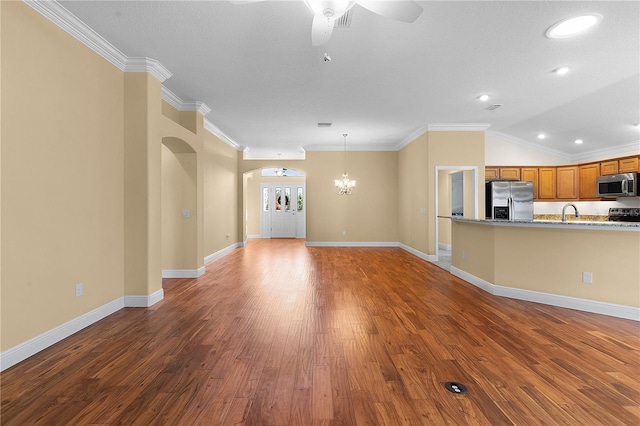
283 211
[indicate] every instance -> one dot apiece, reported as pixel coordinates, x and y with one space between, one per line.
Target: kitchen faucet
564 211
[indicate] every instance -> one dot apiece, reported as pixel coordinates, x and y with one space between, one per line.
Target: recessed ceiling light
483 98
572 26
541 136
578 141
561 70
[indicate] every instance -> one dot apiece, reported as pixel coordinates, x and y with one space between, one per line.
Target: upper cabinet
494 173
575 182
567 181
621 165
530 174
547 183
609 167
587 177
628 165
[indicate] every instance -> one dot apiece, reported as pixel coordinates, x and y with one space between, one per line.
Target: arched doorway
179 211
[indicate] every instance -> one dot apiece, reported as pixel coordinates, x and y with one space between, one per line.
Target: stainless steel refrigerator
509 200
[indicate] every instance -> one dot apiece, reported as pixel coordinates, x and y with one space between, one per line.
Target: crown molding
632 148
176 102
148 65
68 22
201 107
211 128
411 137
377 147
458 127
527 144
171 98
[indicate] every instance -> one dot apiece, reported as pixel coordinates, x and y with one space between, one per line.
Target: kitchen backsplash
586 208
571 217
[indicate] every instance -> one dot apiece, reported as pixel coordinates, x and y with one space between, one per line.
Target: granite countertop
551 223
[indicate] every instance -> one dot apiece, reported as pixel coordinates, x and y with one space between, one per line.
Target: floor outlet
78 289
587 277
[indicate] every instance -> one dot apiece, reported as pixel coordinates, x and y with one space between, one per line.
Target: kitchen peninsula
589 266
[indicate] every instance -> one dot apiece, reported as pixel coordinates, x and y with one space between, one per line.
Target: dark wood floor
277 333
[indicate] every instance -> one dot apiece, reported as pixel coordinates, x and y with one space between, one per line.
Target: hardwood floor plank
321 394
277 333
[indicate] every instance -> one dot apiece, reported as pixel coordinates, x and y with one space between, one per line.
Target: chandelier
345 185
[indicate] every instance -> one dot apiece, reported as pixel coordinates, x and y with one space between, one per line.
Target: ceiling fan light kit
326 13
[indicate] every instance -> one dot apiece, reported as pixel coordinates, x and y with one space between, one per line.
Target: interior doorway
445 176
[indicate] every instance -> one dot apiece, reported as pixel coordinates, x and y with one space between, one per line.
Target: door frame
475 196
301 216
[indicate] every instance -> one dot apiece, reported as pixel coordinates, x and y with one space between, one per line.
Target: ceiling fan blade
321 30
405 11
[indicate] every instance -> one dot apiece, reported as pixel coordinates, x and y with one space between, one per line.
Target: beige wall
62 176
220 162
417 165
369 215
413 194
187 145
453 149
444 206
551 260
179 175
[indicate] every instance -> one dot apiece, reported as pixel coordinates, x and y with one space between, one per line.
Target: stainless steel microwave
622 185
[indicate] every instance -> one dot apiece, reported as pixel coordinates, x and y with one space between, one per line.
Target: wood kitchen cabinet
530 174
493 173
609 167
546 183
570 182
510 173
622 165
567 181
628 165
587 178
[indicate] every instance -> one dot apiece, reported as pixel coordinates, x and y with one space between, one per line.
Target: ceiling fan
325 13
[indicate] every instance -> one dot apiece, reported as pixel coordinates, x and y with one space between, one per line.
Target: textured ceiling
268 87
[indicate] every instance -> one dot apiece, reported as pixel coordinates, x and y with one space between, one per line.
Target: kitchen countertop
573 224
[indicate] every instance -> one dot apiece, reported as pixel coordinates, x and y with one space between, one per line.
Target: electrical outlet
587 277
464 255
78 289
344 233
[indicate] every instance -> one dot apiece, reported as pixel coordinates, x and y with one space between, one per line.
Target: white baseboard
222 252
24 350
421 255
253 236
350 244
143 301
183 273
593 306
32 346
443 246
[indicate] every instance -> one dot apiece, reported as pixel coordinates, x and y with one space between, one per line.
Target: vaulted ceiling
268 88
